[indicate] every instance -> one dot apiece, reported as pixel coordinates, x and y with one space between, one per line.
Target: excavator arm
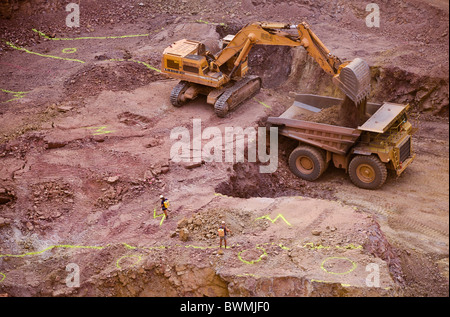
353 78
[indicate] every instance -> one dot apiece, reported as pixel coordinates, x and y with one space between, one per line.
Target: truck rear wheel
307 162
367 172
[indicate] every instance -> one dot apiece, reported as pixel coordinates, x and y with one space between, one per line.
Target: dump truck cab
387 134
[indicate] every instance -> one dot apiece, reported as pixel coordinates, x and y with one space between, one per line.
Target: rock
316 232
184 234
191 165
99 138
29 226
182 223
112 179
3 222
198 222
64 108
54 144
156 171
152 143
164 169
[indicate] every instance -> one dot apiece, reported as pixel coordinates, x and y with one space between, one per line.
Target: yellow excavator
222 77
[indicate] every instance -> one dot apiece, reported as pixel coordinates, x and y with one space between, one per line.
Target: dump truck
223 78
366 153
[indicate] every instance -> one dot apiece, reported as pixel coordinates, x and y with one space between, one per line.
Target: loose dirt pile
331 115
345 114
125 76
202 226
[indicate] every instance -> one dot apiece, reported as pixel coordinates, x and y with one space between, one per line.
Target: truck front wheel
307 162
367 172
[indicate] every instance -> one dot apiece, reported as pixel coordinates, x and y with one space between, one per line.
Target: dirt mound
203 225
345 114
93 79
328 116
247 181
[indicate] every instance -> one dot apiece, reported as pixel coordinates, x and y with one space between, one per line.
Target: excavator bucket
354 80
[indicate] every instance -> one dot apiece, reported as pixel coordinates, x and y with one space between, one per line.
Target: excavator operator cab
185 56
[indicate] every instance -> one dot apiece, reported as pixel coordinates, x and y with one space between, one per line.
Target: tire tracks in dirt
405 221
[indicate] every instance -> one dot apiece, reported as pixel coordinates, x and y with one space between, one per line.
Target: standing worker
223 230
164 205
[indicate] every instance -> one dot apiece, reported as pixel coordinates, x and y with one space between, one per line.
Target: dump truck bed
332 138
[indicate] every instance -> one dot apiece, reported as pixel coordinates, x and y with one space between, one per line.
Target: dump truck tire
307 162
367 171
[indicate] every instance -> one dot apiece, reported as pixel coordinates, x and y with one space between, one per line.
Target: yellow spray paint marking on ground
88 37
220 195
44 55
66 246
69 50
16 94
198 247
329 282
339 258
277 244
100 130
253 261
311 245
162 247
248 274
126 245
212 23
135 61
73 50
139 258
273 221
282 246
157 216
262 103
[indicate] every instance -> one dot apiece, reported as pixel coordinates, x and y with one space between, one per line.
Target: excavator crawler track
177 92
235 95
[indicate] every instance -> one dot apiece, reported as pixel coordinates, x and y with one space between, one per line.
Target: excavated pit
106 224
246 180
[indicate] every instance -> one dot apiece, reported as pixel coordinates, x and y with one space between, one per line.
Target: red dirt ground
85 153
